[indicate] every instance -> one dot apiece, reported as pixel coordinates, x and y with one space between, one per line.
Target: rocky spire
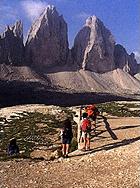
47 41
94 46
11 45
125 61
18 29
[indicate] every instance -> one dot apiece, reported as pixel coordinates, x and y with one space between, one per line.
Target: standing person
92 112
86 129
13 148
89 110
66 134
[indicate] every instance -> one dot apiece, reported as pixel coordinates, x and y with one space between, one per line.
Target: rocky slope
116 81
137 76
138 72
22 73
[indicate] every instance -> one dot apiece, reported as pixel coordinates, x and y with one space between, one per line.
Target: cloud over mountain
83 15
33 8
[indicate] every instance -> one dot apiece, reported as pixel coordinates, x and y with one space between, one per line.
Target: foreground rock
94 47
47 42
47 155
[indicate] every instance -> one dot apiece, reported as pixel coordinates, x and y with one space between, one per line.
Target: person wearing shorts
86 129
66 135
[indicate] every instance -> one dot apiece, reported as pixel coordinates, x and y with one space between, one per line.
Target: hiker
85 132
66 135
13 148
92 112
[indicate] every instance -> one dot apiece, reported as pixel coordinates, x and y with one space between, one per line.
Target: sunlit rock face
94 47
11 45
47 41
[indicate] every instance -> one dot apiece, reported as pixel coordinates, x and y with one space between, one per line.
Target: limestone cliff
47 42
94 47
11 45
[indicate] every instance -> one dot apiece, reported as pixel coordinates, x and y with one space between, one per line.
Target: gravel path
110 163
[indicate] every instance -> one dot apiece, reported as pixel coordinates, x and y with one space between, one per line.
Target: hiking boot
83 149
88 149
63 156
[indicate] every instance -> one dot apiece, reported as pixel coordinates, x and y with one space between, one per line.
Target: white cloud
137 56
33 8
83 15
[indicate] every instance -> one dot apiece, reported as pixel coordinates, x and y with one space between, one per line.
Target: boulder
45 154
47 41
94 47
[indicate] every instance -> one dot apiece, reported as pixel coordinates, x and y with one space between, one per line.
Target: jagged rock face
138 69
94 47
133 64
47 42
125 61
11 45
121 57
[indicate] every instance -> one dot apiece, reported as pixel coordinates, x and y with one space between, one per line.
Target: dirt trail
110 163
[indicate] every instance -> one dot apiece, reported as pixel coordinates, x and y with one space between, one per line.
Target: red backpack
86 125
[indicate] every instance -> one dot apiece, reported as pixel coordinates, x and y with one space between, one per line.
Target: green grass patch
120 110
31 129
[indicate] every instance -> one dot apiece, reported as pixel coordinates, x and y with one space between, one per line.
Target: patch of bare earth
113 162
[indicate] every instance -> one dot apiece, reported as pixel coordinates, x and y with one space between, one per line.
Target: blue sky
122 17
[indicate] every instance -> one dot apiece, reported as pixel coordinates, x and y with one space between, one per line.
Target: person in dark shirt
13 148
66 135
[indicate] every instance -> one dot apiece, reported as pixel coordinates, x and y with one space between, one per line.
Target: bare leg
87 143
83 141
64 149
67 149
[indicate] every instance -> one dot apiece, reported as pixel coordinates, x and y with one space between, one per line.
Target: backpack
86 125
67 133
13 149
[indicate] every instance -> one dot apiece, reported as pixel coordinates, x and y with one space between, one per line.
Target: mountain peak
94 47
50 7
49 10
47 42
11 45
18 29
91 20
